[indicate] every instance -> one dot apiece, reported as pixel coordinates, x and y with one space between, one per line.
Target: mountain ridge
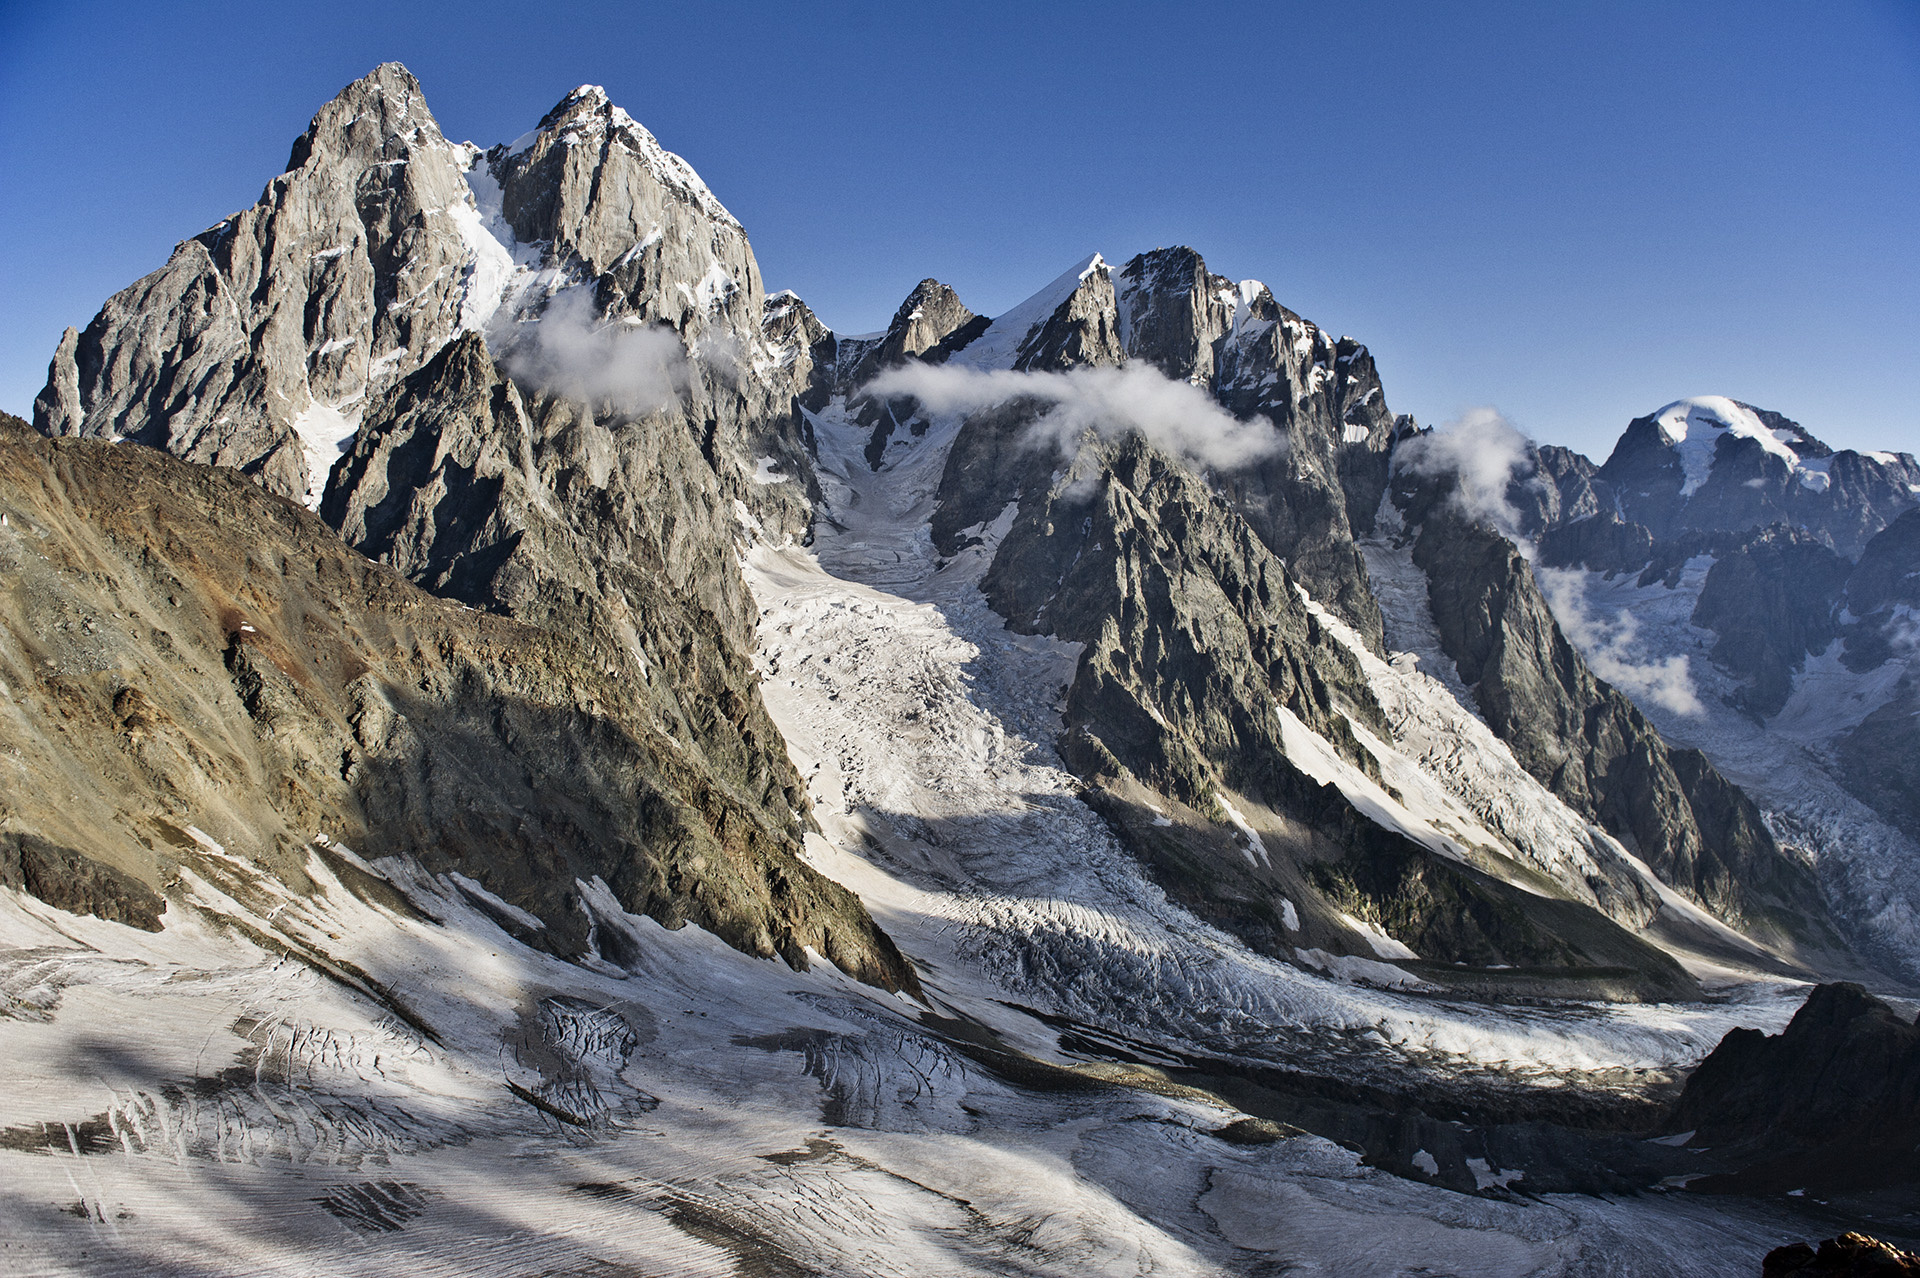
1126 729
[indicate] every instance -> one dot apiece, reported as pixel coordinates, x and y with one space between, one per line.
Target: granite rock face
257 342
1772 600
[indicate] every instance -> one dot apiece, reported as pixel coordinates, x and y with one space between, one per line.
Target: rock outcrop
1851 1255
198 670
609 207
1830 1104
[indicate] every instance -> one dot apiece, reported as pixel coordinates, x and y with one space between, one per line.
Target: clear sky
1573 212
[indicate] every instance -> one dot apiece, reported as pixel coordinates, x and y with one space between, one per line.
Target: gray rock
347 274
606 203
1594 749
1082 332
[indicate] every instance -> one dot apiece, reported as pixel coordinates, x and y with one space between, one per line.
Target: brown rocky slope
182 652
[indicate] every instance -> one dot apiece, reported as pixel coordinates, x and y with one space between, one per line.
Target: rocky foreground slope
1141 746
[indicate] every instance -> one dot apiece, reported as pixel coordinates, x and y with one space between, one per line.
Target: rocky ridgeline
184 652
493 444
1196 637
1177 717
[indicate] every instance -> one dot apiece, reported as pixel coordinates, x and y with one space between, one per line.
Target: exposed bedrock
1591 746
1831 1104
182 650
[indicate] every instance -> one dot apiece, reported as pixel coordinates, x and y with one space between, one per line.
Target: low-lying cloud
1110 402
1483 454
1608 646
639 368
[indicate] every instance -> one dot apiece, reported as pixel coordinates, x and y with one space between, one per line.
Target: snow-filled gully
292 1085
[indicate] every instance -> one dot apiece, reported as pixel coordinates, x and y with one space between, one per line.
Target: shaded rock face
1843 498
1830 1104
1772 600
1196 643
76 882
1882 596
929 325
1256 358
1880 758
1082 332
185 652
1173 312
1596 751
348 273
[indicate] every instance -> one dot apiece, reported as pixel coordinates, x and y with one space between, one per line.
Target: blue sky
1574 212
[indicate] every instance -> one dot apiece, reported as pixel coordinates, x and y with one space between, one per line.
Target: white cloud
1608 646
1483 453
1173 416
638 367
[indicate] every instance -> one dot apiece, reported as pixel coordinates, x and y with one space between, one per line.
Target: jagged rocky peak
930 324
792 331
256 343
1710 464
604 197
1081 329
932 313
1070 322
1173 310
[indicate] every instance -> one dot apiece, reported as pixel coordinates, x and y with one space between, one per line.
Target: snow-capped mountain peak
1000 346
1694 427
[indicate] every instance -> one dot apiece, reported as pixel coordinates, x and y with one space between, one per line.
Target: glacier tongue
925 729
